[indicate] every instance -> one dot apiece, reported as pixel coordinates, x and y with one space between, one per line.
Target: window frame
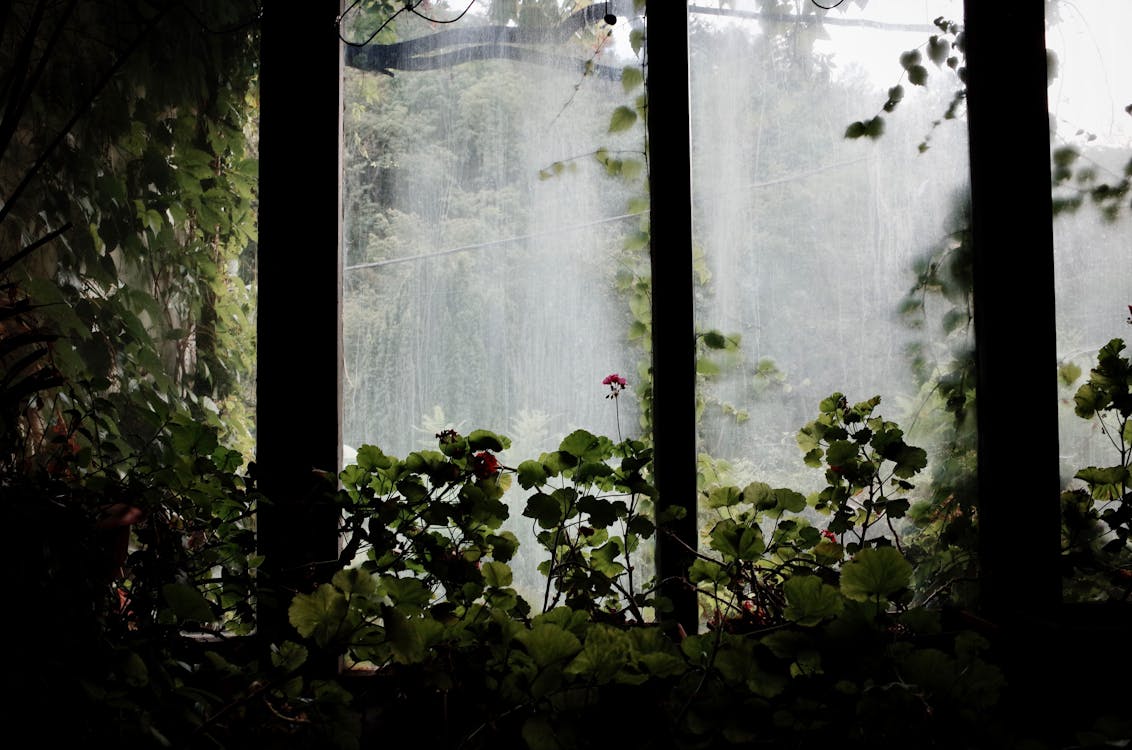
298 392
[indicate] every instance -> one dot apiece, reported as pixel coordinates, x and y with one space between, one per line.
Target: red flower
829 535
485 465
615 383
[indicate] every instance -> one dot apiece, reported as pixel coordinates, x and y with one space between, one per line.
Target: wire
827 7
409 7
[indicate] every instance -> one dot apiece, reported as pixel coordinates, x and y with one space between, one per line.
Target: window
1002 148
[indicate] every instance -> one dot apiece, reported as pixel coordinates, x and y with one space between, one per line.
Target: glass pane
488 274
832 264
1091 142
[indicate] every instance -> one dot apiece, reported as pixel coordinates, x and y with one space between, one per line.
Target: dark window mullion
673 334
1014 308
297 401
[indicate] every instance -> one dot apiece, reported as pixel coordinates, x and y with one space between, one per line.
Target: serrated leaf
548 643
496 574
354 581
875 573
809 600
318 614
721 497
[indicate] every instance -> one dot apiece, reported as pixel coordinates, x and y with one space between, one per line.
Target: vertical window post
297 401
1014 308
673 332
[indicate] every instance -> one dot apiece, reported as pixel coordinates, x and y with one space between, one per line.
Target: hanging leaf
622 119
631 78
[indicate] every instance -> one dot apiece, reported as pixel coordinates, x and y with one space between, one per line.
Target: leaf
603 559
875 573
1068 373
496 574
531 473
938 49
809 600
707 571
354 581
631 78
584 445
790 500
545 509
318 614
622 119
481 440
918 75
736 541
187 603
721 497
715 340
548 643
405 640
539 734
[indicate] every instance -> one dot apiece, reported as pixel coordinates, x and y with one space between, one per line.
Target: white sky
1093 42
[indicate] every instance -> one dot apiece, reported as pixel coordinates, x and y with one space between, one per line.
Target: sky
1091 41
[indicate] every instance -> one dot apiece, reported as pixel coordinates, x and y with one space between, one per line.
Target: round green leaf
875 573
809 601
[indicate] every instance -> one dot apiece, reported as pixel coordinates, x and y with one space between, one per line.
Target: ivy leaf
622 119
918 75
875 573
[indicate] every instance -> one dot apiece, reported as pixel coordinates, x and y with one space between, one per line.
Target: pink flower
615 383
829 535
